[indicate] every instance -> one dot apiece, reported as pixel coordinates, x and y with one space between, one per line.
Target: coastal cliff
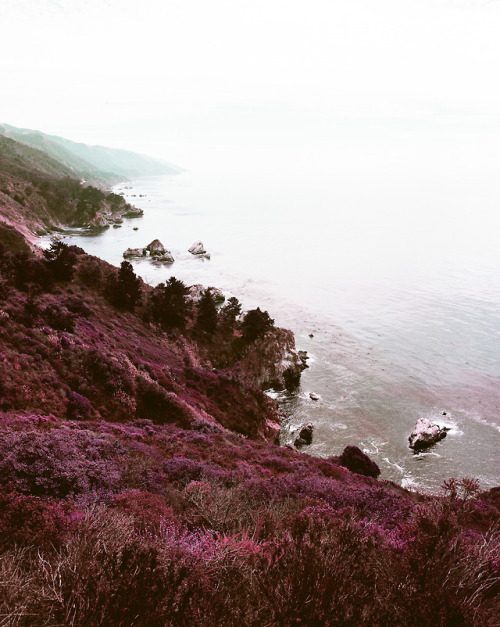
140 482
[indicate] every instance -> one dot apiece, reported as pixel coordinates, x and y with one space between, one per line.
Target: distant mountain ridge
99 164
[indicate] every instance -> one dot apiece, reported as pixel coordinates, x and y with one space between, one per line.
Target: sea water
388 273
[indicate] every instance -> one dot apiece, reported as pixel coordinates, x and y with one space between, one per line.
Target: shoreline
343 367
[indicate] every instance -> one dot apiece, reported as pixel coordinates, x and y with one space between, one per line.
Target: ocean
387 269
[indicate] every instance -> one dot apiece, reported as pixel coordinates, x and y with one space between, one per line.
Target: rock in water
425 434
305 435
303 358
167 257
356 461
313 396
156 248
133 252
197 249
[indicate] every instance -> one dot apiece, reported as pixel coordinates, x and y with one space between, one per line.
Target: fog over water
341 163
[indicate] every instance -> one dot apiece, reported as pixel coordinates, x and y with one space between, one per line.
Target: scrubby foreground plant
142 524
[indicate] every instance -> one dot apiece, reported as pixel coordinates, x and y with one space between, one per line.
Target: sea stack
425 434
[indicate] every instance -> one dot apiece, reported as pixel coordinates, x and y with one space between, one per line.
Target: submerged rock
425 434
197 249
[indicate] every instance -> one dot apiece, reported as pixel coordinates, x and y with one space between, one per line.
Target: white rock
425 434
197 249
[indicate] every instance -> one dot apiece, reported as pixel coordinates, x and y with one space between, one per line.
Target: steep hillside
79 167
20 160
96 163
139 485
38 194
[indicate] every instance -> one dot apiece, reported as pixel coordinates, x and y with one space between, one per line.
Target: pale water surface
390 262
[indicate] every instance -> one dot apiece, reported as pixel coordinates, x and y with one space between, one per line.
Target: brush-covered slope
95 163
139 482
37 193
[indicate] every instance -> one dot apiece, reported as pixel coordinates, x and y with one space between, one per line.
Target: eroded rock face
197 249
426 434
273 361
99 222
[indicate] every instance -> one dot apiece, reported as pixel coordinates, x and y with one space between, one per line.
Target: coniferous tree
61 261
168 304
124 289
255 324
207 313
229 313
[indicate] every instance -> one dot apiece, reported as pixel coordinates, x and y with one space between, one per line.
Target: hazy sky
165 76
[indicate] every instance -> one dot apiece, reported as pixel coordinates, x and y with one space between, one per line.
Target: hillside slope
39 194
140 482
95 163
139 485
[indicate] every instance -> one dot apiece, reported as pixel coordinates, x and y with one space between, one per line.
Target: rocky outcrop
166 257
303 358
426 434
132 253
356 461
197 249
305 435
108 216
273 361
100 221
131 212
156 251
155 248
196 292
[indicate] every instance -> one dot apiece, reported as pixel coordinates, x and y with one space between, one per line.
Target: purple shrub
28 520
149 511
79 407
59 317
60 462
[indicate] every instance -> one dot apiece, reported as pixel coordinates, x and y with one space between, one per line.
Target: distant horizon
173 79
